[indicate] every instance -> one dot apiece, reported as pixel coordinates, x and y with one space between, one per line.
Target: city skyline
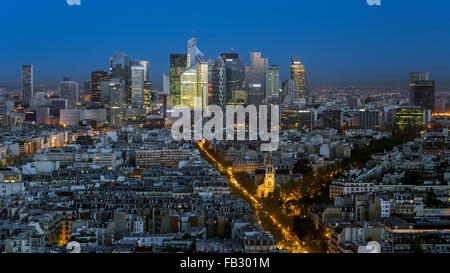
382 46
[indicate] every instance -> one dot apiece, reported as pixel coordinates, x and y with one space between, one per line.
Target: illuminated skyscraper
217 85
421 91
145 65
27 85
298 74
235 73
409 118
69 91
117 102
194 86
137 85
255 77
178 63
147 93
97 78
272 81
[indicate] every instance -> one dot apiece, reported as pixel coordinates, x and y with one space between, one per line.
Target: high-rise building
120 68
217 84
194 86
235 73
137 85
27 85
147 93
298 74
97 78
166 83
333 118
255 78
119 65
178 63
147 82
418 76
196 56
409 118
369 119
145 65
87 90
421 91
293 118
56 106
272 81
117 102
290 93
69 91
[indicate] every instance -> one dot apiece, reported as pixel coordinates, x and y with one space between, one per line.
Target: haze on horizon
339 41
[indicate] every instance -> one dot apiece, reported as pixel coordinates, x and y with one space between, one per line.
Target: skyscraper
421 91
27 85
217 92
196 56
69 91
255 77
298 74
194 86
145 65
137 85
117 102
119 65
178 63
166 83
235 73
97 78
272 81
290 93
147 93
120 68
147 82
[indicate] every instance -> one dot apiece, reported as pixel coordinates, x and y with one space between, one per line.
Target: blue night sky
340 41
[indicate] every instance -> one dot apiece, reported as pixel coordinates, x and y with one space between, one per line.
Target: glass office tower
298 74
217 85
27 85
97 77
178 63
272 81
137 85
235 73
194 86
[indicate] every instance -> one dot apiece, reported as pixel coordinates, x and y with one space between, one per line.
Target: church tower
268 186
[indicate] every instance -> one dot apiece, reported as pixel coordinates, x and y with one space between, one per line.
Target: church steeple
268 186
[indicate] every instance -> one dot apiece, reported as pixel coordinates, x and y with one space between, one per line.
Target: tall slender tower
298 74
178 63
235 76
217 93
27 85
97 78
255 77
137 85
421 91
272 81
